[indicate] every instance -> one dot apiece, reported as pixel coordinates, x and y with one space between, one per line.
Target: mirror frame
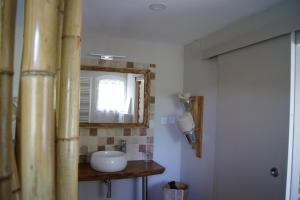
135 70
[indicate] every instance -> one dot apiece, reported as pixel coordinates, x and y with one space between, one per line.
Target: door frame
292 181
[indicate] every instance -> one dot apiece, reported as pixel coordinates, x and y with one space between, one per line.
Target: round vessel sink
108 161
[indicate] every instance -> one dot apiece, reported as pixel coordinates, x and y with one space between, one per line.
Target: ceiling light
157 6
106 56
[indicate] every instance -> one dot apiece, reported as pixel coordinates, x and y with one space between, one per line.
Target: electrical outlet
163 120
171 120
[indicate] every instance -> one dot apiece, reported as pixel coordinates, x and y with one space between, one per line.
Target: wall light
157 7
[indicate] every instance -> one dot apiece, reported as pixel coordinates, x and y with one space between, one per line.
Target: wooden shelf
134 169
197 112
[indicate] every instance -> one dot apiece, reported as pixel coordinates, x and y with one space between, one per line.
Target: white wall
278 20
18 46
200 78
169 81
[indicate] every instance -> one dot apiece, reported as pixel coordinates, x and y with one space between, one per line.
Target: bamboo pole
7 33
15 185
5 138
67 136
58 64
37 106
16 176
18 135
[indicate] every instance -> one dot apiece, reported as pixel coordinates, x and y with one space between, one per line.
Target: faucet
121 146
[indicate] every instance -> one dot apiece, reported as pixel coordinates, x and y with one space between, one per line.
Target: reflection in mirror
112 97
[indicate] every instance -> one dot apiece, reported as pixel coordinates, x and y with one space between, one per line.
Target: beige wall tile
102 132
102 141
84 131
110 147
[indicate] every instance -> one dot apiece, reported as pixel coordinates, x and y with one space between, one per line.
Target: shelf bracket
197 103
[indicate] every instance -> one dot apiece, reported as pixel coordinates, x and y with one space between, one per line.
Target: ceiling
182 22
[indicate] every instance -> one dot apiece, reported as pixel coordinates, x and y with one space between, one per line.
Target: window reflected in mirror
112 97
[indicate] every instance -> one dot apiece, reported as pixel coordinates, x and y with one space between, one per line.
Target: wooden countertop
134 169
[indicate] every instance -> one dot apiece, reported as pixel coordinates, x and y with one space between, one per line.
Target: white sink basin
108 161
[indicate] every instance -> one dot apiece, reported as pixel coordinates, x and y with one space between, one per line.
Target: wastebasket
175 191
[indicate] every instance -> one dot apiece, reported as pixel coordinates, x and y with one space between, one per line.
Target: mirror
114 97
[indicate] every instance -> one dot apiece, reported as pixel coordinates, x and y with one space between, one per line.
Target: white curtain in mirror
111 95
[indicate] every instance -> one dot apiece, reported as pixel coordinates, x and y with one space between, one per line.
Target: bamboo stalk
7 30
18 135
15 185
67 136
5 138
37 106
58 64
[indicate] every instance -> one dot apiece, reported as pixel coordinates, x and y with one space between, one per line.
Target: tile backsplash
138 140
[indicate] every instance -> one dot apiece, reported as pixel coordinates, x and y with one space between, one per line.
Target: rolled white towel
186 122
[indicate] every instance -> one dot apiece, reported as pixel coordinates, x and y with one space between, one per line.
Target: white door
253 122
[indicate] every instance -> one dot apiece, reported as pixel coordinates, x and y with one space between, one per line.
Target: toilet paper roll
186 122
